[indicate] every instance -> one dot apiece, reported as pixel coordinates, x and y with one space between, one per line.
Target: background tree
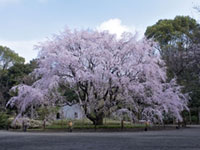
44 112
179 46
8 58
13 71
106 74
175 38
180 31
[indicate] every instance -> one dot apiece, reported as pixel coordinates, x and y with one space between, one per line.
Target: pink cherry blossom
107 74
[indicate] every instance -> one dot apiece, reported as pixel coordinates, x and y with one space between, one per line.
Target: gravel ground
182 139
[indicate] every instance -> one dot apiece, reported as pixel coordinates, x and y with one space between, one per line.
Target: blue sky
24 23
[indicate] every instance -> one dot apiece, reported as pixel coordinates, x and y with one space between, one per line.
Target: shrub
4 120
194 119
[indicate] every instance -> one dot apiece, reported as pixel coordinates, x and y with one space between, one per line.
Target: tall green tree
175 37
13 71
17 74
178 32
8 58
179 40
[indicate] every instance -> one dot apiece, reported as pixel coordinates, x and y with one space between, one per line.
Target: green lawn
87 124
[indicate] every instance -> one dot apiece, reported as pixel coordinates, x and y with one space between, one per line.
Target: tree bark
199 114
122 124
97 120
44 124
190 118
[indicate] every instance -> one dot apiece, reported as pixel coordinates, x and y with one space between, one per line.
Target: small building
71 112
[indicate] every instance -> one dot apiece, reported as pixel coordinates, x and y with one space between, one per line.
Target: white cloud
23 48
115 26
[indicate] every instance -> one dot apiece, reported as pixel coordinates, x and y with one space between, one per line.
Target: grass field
87 124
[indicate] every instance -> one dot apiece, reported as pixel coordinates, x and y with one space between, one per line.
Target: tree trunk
198 114
44 124
122 124
190 117
31 111
98 121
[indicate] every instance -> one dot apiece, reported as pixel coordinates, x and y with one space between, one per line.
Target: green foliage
4 120
175 37
178 31
194 119
19 73
68 93
178 39
87 124
45 111
14 75
8 58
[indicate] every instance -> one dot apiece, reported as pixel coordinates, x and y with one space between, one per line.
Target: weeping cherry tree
107 74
